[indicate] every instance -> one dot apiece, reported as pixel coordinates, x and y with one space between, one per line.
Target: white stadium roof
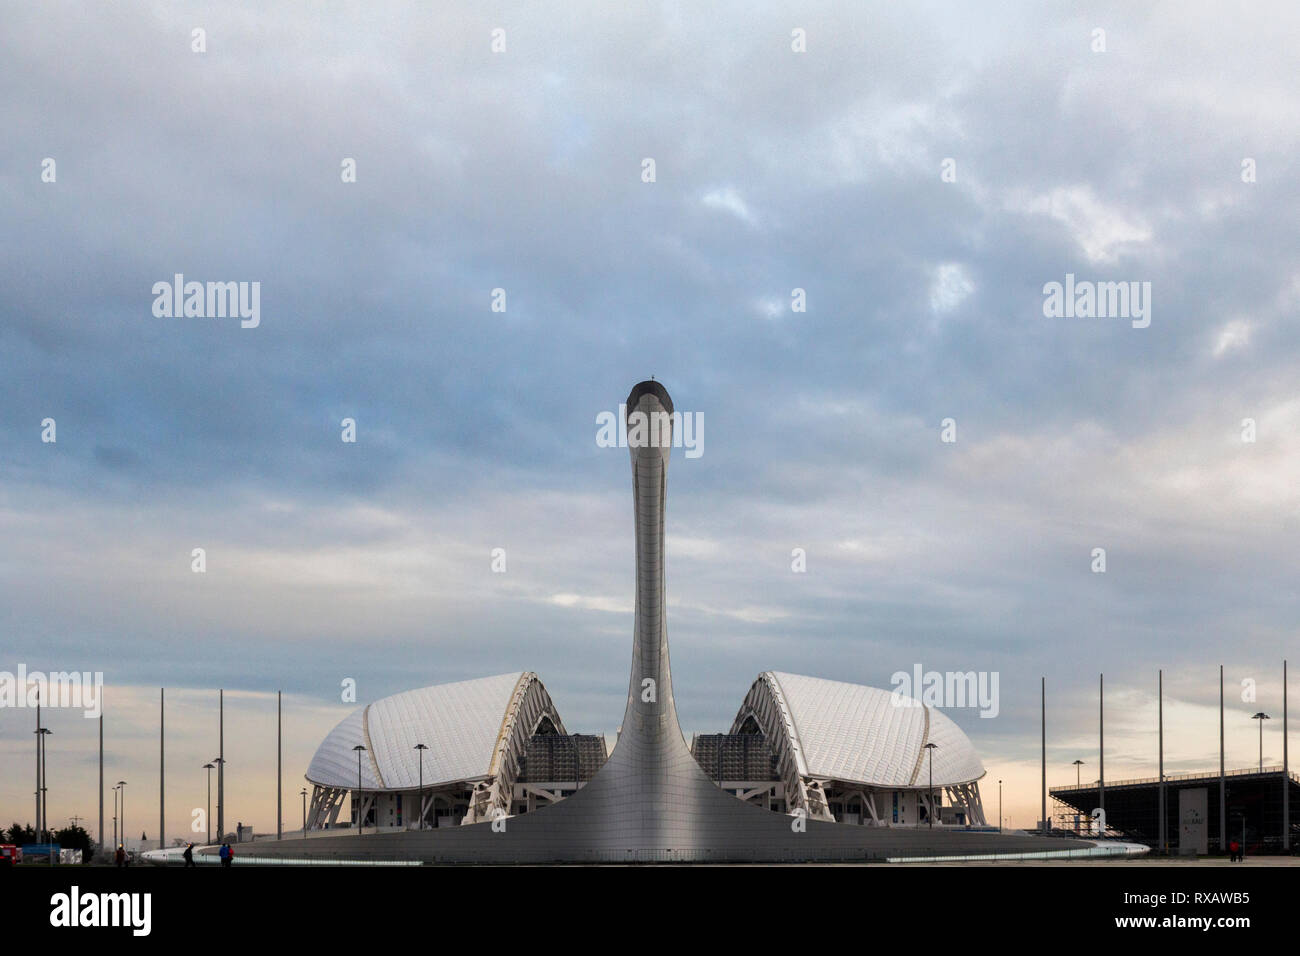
857 734
462 724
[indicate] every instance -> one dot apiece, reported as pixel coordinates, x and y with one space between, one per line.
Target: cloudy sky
920 172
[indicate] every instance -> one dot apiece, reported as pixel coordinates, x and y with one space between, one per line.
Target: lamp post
1077 765
44 732
115 817
421 748
220 763
999 806
360 803
37 732
208 819
122 786
930 747
304 813
1261 717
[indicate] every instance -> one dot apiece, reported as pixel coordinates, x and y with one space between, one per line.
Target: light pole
1261 717
1077 765
421 748
999 806
115 817
930 747
360 803
208 819
37 732
304 813
45 790
220 763
122 785
279 773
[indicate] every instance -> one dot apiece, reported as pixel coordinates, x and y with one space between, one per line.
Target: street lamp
1077 765
208 820
220 763
930 747
115 789
122 785
44 823
421 748
999 806
358 748
1261 717
304 813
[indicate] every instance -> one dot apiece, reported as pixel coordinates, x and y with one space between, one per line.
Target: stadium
839 752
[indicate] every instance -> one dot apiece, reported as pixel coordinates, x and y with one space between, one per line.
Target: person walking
1233 851
225 854
189 854
119 858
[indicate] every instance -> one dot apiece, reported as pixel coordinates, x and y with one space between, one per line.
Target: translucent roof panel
459 723
850 732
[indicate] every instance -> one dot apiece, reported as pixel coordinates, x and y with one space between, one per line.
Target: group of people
226 854
1236 853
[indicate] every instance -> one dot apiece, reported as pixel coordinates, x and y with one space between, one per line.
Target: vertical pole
1223 786
38 766
162 724
44 786
279 776
1286 773
1101 747
1161 815
1044 782
101 776
221 766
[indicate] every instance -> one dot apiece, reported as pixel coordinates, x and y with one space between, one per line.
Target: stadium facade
835 751
1255 803
805 759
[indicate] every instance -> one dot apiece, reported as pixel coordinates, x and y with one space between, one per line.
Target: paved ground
1140 861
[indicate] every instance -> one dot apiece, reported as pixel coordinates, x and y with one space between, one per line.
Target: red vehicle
10 854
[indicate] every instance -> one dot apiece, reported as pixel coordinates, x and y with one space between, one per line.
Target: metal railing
1171 777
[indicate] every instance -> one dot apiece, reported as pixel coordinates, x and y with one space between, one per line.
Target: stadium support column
1046 828
1161 709
1101 749
1223 787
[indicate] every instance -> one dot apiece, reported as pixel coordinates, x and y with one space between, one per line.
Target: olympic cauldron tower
651 801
